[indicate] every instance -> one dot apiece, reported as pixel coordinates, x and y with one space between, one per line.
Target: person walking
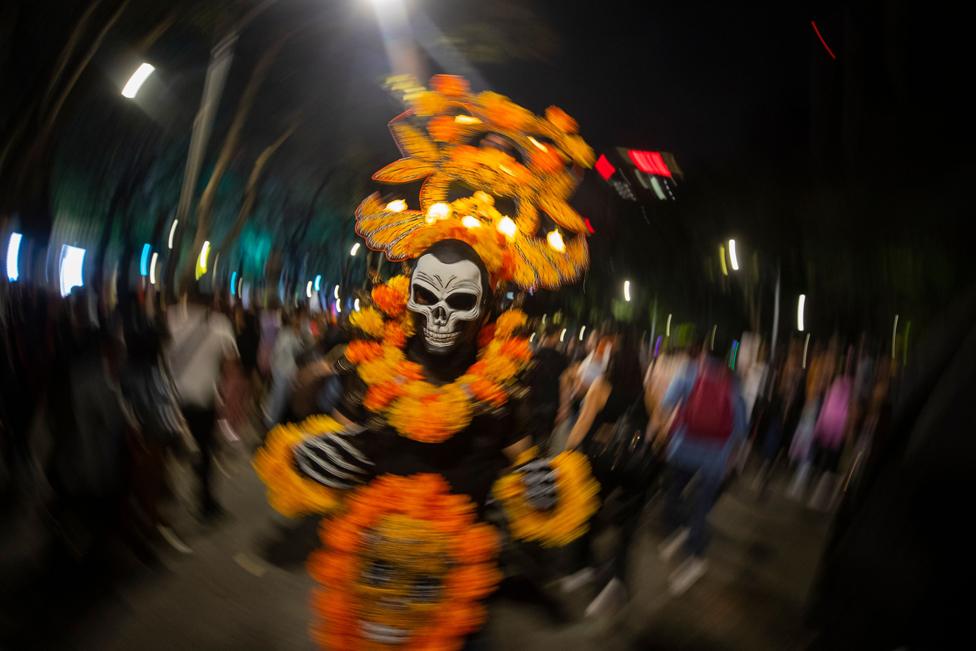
615 396
202 346
709 426
547 386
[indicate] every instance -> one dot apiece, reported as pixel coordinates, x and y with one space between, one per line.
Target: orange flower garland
397 389
577 502
290 493
419 534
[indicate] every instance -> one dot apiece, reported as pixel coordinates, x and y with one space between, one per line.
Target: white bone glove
334 460
539 479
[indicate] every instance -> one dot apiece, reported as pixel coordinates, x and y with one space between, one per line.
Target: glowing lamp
538 145
627 291
470 221
649 162
507 227
800 305
202 260
152 268
71 268
172 232
439 210
136 81
308 289
13 257
555 239
466 119
354 250
144 260
604 167
397 205
733 258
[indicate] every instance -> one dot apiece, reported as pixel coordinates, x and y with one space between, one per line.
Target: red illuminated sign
604 167
649 162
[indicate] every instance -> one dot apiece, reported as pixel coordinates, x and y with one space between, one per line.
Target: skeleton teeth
383 634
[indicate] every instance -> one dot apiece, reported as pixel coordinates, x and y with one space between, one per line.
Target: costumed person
428 423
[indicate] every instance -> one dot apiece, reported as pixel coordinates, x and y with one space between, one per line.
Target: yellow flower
368 320
576 503
508 322
428 103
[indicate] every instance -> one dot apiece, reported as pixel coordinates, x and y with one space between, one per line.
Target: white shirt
201 341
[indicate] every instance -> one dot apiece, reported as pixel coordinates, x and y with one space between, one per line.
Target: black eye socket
462 301
423 296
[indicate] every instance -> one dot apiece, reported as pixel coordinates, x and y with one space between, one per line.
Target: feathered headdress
475 154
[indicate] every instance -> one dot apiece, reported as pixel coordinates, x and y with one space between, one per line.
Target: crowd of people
696 418
98 404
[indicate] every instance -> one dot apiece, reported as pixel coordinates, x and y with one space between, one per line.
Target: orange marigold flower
546 161
450 85
428 103
394 335
561 120
368 320
360 351
486 334
380 395
503 112
391 297
443 128
509 322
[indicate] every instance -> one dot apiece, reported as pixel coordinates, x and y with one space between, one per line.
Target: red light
822 41
604 167
589 226
649 162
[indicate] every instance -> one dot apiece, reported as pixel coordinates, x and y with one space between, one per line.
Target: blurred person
87 465
151 396
617 394
782 415
801 447
201 349
898 564
829 436
710 425
248 337
284 364
269 323
548 385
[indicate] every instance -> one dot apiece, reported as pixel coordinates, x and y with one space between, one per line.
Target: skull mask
447 295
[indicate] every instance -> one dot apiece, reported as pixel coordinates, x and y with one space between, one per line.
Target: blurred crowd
99 405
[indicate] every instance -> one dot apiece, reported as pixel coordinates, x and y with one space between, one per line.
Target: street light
13 257
172 231
136 81
202 260
733 259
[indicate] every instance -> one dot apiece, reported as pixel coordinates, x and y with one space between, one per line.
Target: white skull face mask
448 297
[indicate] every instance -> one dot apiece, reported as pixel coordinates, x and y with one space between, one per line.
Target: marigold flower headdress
496 153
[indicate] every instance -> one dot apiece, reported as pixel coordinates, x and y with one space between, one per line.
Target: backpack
619 452
707 413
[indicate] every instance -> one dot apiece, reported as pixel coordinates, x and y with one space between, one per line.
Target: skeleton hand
334 460
539 479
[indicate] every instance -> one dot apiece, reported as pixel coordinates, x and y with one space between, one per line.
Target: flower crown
487 152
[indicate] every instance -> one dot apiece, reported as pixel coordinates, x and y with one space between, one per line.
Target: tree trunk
227 151
253 185
40 145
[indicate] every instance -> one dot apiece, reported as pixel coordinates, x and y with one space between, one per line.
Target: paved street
244 586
